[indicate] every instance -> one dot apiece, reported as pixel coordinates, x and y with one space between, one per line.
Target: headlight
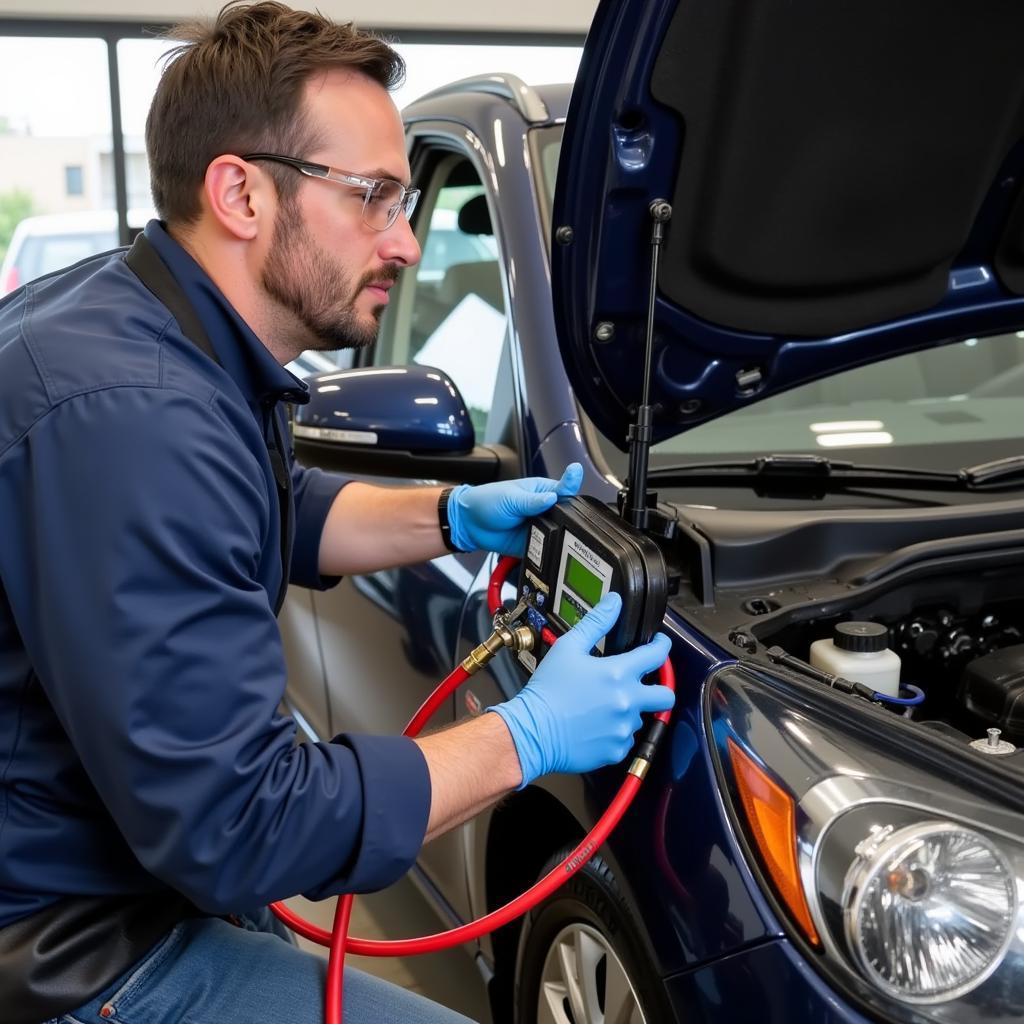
895 861
929 910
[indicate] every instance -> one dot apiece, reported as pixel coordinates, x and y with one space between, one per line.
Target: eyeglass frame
406 202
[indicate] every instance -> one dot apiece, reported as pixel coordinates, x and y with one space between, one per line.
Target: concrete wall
522 16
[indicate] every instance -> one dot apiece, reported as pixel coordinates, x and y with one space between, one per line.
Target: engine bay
946 583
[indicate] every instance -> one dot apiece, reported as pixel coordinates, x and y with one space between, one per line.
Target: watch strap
442 518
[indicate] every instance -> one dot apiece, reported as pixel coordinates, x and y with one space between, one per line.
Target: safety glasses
383 199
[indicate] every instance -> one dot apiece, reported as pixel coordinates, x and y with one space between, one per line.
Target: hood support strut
636 501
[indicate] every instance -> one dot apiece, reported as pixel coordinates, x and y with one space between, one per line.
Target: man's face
325 266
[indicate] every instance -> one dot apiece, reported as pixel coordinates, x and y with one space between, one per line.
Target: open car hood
846 184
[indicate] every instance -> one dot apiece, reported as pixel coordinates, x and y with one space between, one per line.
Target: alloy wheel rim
584 982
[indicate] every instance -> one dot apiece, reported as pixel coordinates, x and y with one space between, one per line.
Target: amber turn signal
771 820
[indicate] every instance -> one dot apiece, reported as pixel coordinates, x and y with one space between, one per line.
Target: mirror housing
398 421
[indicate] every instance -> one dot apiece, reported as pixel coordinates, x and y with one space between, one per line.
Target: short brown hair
235 85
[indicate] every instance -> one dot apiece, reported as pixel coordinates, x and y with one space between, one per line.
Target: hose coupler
519 638
647 748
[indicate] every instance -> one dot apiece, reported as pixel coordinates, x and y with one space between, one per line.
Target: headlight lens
930 910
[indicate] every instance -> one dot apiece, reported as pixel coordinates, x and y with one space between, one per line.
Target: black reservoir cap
861 637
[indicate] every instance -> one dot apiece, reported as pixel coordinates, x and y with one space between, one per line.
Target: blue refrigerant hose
917 698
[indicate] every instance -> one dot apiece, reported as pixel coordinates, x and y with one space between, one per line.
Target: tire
584 957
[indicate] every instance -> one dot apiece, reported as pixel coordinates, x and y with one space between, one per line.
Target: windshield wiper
817 474
999 471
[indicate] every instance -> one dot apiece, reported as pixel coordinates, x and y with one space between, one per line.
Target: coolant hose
338 940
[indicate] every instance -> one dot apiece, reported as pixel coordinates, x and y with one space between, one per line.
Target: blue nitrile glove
580 712
492 517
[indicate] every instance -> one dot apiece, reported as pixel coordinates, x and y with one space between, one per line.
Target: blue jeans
207 971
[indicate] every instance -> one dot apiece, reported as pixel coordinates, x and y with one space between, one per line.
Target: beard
318 292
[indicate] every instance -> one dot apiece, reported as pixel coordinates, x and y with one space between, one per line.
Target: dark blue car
837 384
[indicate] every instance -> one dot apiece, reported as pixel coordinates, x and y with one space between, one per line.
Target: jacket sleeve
142 521
314 492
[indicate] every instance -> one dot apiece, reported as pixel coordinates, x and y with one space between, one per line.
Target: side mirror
397 421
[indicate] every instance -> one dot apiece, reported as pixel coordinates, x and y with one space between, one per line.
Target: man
152 799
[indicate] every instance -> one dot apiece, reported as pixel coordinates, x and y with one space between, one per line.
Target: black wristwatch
442 518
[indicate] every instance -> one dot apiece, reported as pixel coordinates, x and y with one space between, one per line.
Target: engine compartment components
992 688
959 671
993 745
948 639
859 651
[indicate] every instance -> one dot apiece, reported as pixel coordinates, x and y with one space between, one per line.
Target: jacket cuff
396 805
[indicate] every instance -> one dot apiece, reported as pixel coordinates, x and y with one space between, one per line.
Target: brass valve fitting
518 638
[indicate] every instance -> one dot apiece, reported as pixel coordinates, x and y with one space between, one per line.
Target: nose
398 243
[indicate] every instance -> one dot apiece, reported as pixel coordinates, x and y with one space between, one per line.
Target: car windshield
941 408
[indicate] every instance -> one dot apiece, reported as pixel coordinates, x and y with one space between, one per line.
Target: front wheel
583 958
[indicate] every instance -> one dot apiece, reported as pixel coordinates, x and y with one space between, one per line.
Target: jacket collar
246 359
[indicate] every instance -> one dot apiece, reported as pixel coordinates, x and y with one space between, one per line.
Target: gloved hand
580 712
492 517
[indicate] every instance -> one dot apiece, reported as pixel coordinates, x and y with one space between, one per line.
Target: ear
239 195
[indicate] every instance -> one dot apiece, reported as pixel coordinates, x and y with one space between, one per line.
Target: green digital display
586 583
569 612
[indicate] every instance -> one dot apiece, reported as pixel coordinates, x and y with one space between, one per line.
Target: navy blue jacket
141 665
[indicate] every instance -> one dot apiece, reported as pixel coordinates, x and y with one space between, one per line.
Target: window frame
430 153
109 32
429 142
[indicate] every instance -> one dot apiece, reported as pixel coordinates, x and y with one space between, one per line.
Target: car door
387 638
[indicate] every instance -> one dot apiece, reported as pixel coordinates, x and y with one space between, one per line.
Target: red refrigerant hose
338 940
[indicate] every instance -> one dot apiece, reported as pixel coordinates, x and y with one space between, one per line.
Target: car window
449 310
44 254
446 246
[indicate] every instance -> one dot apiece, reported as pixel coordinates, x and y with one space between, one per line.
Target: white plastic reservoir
859 651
